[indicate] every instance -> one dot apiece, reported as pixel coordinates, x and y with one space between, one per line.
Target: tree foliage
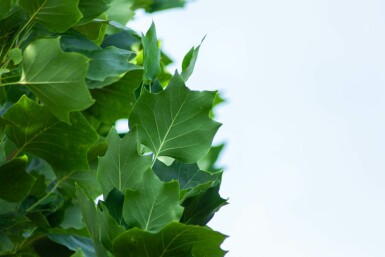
68 71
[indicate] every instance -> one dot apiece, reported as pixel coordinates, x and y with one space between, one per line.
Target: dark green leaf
175 240
125 39
157 5
151 54
114 204
6 6
86 179
92 9
91 220
200 209
15 182
153 204
57 78
15 55
115 101
122 167
76 42
35 130
74 243
55 15
94 30
188 175
207 163
175 122
108 66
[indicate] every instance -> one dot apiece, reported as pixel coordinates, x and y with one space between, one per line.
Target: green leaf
94 30
108 66
122 167
55 15
208 161
151 54
175 240
6 6
91 220
74 243
114 204
157 5
78 253
189 61
120 11
57 78
200 209
153 204
175 122
115 101
35 130
188 175
15 182
15 55
92 9
109 227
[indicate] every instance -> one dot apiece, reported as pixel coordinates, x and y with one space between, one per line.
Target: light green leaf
188 175
6 6
200 209
151 54
120 11
175 122
57 78
108 66
91 220
92 9
15 182
15 55
94 30
175 240
35 130
153 204
189 61
55 15
78 253
122 167
115 101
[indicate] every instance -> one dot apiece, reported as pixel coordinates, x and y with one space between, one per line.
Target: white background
304 120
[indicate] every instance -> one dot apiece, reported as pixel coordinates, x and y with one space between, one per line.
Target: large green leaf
153 204
151 54
115 101
175 122
122 167
57 78
15 182
188 175
55 15
90 217
108 66
35 130
200 209
175 240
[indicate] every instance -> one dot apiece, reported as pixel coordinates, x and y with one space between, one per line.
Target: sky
304 120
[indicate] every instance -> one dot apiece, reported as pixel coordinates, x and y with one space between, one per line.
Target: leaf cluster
70 183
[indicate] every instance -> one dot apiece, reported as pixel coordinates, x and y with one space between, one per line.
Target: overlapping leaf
122 167
57 78
92 9
55 15
151 54
175 122
35 130
175 240
153 204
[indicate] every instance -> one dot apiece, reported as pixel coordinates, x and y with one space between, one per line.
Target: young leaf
122 167
175 240
55 15
57 78
153 204
151 54
189 61
35 130
15 182
188 175
175 122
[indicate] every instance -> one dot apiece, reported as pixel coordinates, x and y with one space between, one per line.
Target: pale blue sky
304 122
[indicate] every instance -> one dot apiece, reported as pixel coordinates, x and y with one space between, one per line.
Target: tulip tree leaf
175 240
115 101
175 122
57 78
189 61
122 167
188 175
15 182
35 130
92 9
151 54
153 204
55 15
